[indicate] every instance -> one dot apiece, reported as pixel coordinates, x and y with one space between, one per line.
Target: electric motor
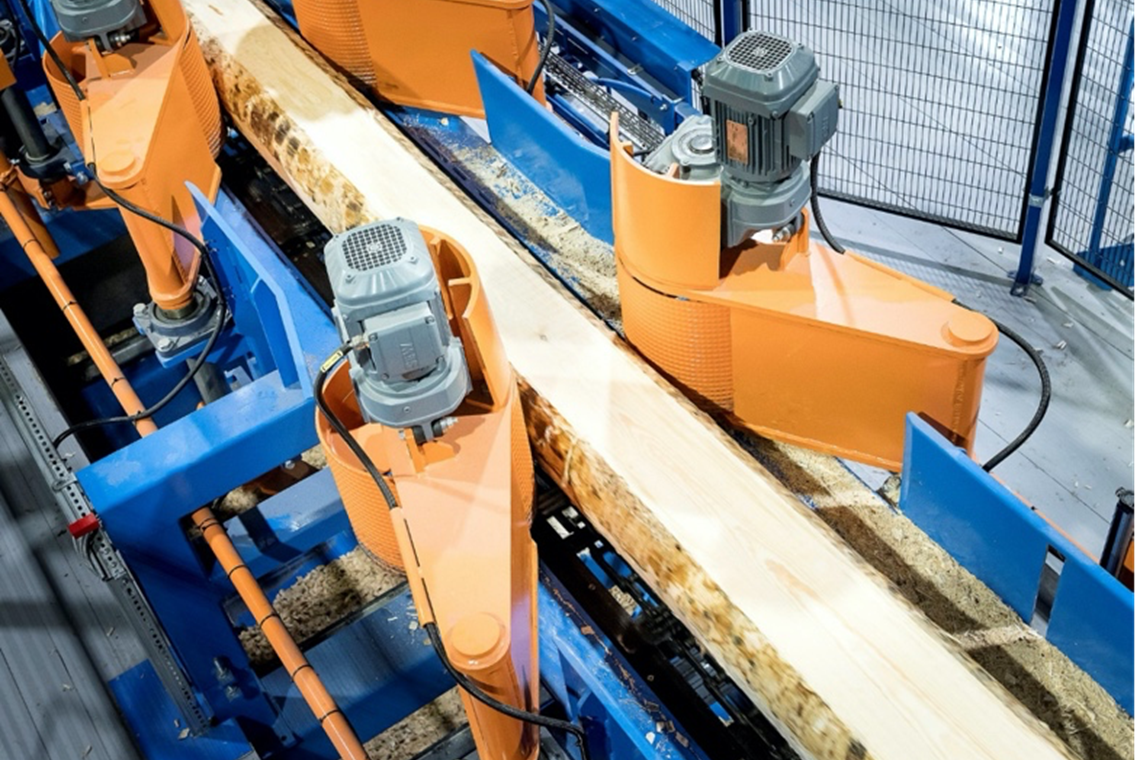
768 114
413 372
108 21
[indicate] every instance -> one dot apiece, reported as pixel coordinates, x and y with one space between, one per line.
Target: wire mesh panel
940 101
1093 215
699 14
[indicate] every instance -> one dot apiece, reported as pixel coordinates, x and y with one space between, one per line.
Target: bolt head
139 309
164 344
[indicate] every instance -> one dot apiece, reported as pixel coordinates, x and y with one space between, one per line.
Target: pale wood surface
845 667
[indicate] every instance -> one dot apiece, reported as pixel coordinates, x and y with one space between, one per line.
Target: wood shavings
322 597
420 730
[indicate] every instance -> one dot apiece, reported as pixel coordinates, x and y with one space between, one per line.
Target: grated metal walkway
62 634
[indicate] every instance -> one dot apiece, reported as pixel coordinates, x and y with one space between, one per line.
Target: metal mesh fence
1093 215
699 14
940 101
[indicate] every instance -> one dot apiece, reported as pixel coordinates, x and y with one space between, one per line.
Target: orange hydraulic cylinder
419 53
88 335
316 696
461 530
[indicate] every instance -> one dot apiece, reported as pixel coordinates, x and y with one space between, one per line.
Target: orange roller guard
465 505
791 339
419 53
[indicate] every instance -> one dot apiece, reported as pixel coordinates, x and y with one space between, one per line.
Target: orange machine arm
789 338
149 121
462 527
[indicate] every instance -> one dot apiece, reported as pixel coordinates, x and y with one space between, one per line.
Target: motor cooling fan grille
375 247
760 52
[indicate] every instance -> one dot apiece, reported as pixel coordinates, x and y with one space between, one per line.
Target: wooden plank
845 667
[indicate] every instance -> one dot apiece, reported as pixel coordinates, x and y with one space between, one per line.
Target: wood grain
844 666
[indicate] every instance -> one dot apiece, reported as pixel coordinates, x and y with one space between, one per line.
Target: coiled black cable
432 629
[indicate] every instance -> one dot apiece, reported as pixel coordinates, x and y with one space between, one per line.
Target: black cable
21 43
815 210
510 711
550 28
1022 343
211 275
432 629
1047 397
55 58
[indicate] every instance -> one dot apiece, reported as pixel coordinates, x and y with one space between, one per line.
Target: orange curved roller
793 340
419 53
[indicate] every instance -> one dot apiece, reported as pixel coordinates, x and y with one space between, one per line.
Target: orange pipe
330 717
88 335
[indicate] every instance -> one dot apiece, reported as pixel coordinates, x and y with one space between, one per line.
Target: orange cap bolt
117 165
968 328
478 639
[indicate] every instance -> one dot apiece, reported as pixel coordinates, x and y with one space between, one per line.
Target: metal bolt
140 309
164 344
232 692
290 464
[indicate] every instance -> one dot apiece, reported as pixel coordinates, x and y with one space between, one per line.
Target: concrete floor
1084 450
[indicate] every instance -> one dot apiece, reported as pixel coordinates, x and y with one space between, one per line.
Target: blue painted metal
1115 261
667 48
380 669
74 232
157 726
1064 31
142 490
733 17
1001 540
584 672
286 526
574 173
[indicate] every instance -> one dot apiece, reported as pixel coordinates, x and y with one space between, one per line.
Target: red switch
83 525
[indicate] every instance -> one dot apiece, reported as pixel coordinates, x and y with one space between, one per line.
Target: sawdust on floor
1035 672
420 730
574 254
322 597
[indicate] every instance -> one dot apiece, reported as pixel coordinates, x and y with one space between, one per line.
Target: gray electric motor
768 115
413 372
106 20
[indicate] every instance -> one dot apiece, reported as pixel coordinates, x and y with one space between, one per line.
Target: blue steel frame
548 147
142 492
1118 142
1064 31
1000 539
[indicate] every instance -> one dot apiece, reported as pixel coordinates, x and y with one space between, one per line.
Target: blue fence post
1065 30
1117 143
733 19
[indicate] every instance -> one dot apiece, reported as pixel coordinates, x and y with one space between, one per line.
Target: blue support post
733 17
1118 142
1064 30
